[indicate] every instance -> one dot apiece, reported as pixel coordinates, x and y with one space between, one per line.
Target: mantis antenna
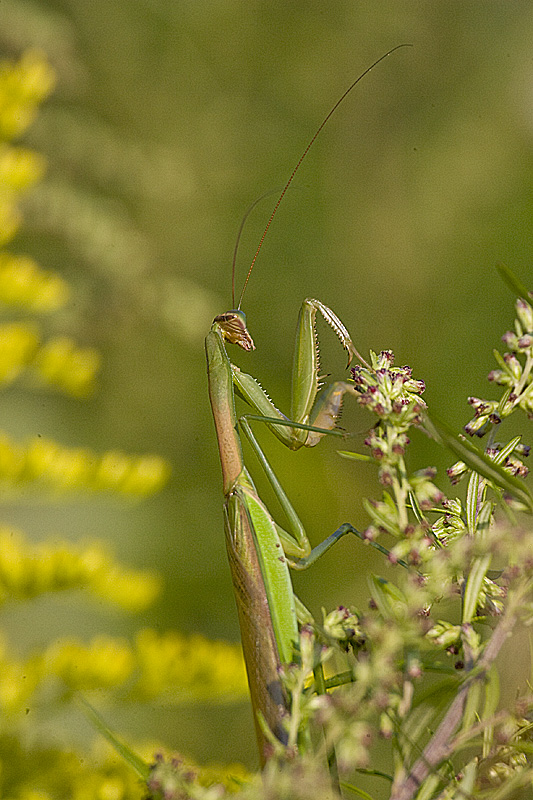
241 227
295 170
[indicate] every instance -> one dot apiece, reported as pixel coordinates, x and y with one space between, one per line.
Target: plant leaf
123 749
349 787
355 456
474 585
477 460
514 283
472 501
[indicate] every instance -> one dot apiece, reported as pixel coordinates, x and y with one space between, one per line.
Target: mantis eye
233 327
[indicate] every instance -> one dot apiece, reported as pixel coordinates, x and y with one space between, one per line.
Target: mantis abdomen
258 639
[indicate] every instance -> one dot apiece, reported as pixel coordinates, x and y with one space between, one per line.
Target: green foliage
465 581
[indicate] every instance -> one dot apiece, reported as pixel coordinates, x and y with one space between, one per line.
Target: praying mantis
260 551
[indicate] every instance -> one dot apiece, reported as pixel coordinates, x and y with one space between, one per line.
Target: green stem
401 491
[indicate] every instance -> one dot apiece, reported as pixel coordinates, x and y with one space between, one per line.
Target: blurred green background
168 120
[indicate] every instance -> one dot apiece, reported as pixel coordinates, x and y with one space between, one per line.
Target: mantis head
232 326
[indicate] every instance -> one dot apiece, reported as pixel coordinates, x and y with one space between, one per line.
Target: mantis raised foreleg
259 549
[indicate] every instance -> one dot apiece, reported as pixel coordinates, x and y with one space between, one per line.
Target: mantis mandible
259 549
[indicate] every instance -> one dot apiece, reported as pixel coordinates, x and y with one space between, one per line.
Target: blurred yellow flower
189 667
24 284
23 85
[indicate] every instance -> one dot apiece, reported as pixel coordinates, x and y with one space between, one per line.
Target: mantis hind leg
323 547
295 541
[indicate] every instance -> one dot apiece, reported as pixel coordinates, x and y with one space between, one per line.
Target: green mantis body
259 549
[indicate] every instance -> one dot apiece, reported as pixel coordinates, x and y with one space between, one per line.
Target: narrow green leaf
478 461
492 698
473 587
375 773
504 399
507 450
123 749
354 456
514 283
501 361
349 787
471 502
468 780
441 693
484 515
414 730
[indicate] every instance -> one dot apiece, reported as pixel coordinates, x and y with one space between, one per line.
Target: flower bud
515 467
444 634
480 406
385 359
510 340
498 376
513 365
478 426
343 625
524 313
456 472
307 647
386 726
415 386
386 477
414 669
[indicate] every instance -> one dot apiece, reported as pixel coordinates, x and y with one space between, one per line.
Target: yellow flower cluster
105 663
169 667
130 589
50 465
19 341
28 570
18 680
231 776
23 85
23 284
58 362
189 667
102 775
